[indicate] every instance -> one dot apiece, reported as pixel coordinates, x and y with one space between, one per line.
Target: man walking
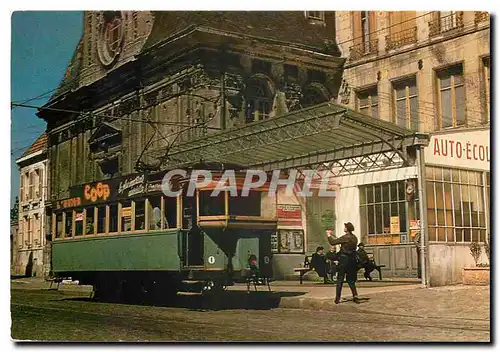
347 261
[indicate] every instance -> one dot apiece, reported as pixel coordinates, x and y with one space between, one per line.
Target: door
194 240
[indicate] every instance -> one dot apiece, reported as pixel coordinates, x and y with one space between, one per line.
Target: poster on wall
289 215
291 241
274 242
395 224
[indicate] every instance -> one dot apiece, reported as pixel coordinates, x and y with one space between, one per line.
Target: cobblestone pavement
443 314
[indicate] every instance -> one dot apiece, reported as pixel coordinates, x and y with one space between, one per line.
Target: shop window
249 205
290 241
89 221
451 97
367 102
383 212
126 215
140 215
113 218
154 213
78 222
211 206
68 223
101 219
170 206
456 206
406 103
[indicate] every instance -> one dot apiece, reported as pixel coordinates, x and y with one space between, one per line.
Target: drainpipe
424 235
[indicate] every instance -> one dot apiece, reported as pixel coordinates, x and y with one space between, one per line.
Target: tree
475 251
14 212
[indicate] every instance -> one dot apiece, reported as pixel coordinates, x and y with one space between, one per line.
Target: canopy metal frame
327 136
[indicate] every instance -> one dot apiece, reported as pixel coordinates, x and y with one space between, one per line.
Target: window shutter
357 30
372 16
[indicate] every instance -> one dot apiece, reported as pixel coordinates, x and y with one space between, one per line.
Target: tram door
194 237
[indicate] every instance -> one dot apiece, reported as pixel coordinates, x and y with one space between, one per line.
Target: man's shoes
356 300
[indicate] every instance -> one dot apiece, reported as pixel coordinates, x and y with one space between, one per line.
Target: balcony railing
363 49
444 24
481 16
399 39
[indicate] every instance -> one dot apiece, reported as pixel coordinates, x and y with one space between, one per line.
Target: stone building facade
140 82
429 72
30 241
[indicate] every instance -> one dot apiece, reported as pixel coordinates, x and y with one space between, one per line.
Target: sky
42 45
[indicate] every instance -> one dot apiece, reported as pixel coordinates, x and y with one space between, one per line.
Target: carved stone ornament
111 35
293 95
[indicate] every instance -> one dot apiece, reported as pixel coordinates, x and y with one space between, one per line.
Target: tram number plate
211 259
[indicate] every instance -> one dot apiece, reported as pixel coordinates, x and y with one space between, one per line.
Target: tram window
154 213
59 225
249 206
170 209
68 224
140 215
126 215
113 218
101 219
211 205
79 222
89 220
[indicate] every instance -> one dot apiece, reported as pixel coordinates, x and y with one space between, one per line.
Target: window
313 95
89 221
486 79
79 222
38 184
365 28
31 185
113 218
316 15
211 206
259 100
101 219
68 224
451 97
154 213
383 213
126 215
249 206
22 189
447 20
290 241
403 29
59 225
456 208
140 215
30 231
170 206
367 102
37 229
406 104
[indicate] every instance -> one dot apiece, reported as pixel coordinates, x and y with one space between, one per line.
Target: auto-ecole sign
468 149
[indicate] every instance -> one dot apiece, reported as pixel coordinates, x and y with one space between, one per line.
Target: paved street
442 314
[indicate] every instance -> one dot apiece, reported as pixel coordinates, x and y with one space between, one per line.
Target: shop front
457 182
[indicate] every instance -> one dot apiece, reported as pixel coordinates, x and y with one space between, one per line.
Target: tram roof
324 133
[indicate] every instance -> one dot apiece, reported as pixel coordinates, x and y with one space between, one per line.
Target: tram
126 238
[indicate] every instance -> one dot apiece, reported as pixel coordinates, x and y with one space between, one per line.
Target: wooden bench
377 267
304 269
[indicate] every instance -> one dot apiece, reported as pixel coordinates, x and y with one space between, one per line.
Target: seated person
318 263
254 268
332 259
364 261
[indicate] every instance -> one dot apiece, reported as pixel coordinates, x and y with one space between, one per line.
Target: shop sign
414 224
79 217
460 149
101 191
69 203
395 224
289 215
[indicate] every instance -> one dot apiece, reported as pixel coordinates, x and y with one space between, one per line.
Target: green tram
128 239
